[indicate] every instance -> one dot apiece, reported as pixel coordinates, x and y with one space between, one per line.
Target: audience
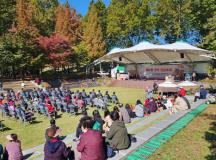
117 135
97 121
130 111
13 148
91 145
79 130
180 103
52 125
139 109
124 114
55 149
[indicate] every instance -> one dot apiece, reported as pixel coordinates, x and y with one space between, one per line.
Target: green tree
102 15
7 14
174 19
202 11
19 52
129 22
43 15
93 35
22 16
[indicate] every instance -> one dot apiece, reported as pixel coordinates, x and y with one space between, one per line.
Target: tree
174 19
68 23
19 52
202 11
21 15
7 14
102 15
93 35
57 48
131 24
43 15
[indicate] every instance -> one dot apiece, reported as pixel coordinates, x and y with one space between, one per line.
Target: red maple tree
57 48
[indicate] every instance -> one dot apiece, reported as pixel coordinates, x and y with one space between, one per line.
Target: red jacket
182 92
91 146
50 108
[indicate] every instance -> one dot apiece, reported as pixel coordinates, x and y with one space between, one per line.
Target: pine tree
59 19
67 15
22 20
93 35
68 23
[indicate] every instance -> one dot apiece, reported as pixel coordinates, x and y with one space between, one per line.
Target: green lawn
33 135
195 142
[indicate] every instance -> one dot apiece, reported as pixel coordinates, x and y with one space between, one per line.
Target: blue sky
81 5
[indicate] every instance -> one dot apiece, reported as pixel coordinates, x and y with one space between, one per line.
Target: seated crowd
97 137
22 105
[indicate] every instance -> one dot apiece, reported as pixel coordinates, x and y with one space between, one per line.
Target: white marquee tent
146 52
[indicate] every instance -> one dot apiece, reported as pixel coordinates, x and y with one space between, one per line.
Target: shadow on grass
210 136
27 156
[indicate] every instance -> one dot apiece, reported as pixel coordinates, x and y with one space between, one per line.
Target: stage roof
146 52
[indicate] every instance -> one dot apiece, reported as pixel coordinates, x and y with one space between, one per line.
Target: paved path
142 134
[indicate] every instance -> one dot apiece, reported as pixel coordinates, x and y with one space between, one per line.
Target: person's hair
98 90
14 137
121 105
87 124
114 115
116 109
52 121
138 102
84 113
106 113
175 96
83 90
96 113
113 92
127 106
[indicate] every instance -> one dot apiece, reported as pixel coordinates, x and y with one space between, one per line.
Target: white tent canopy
187 84
167 84
146 52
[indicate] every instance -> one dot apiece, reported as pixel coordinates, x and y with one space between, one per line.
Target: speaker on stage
120 58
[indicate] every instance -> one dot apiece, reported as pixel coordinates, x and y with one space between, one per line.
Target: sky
81 6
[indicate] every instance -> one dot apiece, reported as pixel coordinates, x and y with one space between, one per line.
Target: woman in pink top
13 148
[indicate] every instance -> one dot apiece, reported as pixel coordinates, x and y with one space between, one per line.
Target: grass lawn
195 142
33 135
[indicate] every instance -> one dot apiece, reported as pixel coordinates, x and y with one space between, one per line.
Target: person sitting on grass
99 94
116 134
130 111
124 114
55 149
52 125
203 92
139 109
180 104
152 105
107 119
97 121
13 148
114 98
78 130
91 145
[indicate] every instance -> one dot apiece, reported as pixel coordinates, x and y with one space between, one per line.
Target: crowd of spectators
97 137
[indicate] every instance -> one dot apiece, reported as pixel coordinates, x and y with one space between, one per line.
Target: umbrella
167 84
187 84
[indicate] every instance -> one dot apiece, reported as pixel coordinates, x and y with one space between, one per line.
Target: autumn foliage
57 48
